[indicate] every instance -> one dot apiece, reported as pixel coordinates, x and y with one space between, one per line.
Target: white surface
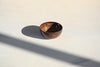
80 36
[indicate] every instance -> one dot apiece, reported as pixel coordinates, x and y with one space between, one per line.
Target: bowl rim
52 32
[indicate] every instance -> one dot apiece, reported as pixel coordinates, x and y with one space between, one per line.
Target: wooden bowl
50 29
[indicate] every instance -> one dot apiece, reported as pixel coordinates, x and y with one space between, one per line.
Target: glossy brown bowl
50 29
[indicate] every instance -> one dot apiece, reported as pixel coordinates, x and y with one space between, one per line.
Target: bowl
50 29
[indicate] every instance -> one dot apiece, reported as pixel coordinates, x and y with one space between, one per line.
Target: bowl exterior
50 35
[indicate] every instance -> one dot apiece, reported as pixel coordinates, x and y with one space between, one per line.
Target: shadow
32 31
51 53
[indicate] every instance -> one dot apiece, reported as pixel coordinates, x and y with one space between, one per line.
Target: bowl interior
51 27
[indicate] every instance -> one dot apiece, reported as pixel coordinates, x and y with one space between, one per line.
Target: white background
80 36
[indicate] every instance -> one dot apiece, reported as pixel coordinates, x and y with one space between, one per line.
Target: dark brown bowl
50 29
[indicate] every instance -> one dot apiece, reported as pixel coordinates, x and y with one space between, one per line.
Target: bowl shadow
32 31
